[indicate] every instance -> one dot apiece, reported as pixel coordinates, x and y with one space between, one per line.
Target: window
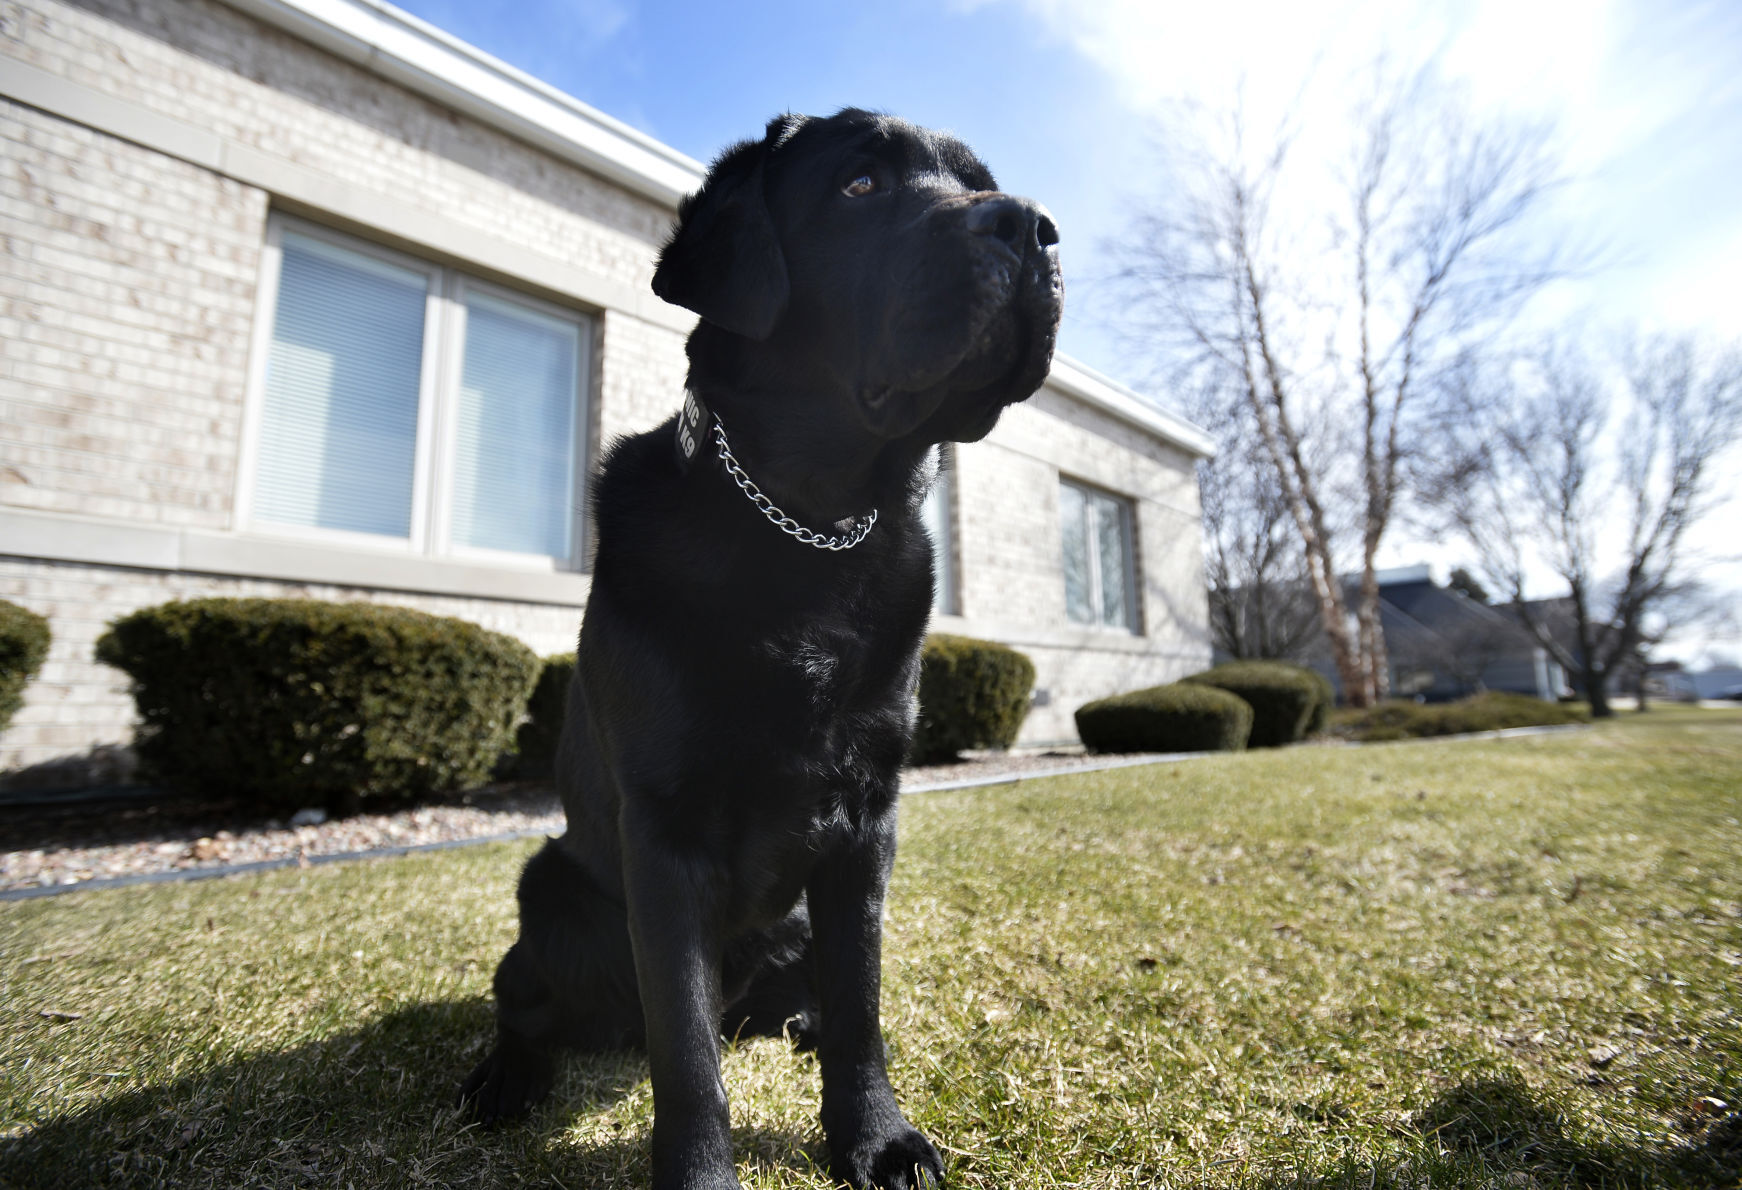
937 515
1098 558
405 405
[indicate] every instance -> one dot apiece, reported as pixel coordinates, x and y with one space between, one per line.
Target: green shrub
24 638
1326 701
1176 718
1282 697
536 739
1491 711
299 702
972 694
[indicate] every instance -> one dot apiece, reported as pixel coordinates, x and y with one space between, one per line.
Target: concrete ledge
43 536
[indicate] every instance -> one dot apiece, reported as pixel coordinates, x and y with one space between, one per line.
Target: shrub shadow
104 766
369 1107
1495 1132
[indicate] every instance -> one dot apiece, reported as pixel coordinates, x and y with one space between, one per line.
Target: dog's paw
507 1084
892 1158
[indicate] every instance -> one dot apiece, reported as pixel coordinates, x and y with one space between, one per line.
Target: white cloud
1645 95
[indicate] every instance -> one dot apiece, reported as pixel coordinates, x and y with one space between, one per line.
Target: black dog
745 689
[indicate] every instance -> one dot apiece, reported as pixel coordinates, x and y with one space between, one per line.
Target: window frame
1133 621
442 363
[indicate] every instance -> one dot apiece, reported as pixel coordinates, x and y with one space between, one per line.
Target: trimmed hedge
1282 697
300 702
1493 710
24 640
537 738
1319 717
972 694
1176 718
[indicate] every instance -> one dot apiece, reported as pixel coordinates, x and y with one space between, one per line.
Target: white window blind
339 417
935 513
1111 549
1079 584
514 450
1098 558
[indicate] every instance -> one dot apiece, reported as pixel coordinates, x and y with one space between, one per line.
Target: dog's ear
723 259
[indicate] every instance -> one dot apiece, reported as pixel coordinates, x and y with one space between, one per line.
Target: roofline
439 66
1093 388
398 46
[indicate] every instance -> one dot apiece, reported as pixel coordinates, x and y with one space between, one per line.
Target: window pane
514 459
1079 598
1110 544
339 421
935 514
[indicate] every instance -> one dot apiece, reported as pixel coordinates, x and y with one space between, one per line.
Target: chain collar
694 414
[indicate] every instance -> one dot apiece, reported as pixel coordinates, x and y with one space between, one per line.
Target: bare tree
1333 320
1595 471
1261 601
1466 584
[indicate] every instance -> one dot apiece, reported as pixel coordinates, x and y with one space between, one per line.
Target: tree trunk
1590 669
1374 657
1592 679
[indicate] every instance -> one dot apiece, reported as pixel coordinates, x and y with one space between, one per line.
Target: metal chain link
861 524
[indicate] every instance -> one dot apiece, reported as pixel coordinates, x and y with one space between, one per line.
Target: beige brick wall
1070 677
125 305
644 378
1011 587
199 61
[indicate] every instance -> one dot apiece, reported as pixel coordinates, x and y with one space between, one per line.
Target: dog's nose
1017 222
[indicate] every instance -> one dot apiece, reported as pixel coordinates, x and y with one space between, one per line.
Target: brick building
409 231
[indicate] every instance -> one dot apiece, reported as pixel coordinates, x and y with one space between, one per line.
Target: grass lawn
1512 963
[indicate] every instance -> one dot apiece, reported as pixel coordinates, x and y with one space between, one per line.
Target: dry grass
1465 964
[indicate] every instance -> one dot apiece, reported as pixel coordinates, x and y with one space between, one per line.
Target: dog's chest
831 667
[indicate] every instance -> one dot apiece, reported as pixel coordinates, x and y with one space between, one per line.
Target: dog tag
692 420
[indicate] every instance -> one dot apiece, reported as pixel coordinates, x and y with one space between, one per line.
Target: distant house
1717 681
1441 644
307 297
1444 644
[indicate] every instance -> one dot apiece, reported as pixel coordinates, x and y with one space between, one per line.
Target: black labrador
744 695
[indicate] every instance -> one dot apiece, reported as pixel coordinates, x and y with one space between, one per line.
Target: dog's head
865 256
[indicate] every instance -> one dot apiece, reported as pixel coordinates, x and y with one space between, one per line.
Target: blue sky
1065 100
1062 98
698 76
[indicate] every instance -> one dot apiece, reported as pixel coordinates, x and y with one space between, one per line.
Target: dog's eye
860 186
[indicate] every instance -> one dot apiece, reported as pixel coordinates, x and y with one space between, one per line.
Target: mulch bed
68 844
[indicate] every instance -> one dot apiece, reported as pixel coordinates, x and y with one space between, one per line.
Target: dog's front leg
673 907
870 1141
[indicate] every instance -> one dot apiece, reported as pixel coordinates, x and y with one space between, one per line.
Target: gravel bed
44 846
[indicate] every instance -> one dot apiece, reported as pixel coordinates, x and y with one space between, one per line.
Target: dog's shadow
373 1106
